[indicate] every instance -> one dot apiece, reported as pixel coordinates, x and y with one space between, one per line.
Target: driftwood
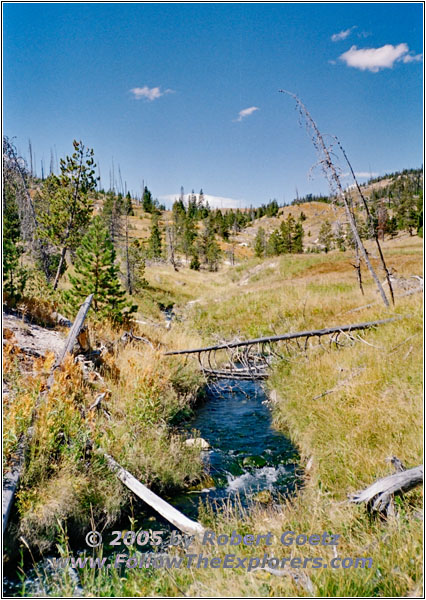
11 479
161 506
378 496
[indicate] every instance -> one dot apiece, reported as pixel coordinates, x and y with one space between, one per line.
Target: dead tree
171 245
367 210
379 496
16 175
333 179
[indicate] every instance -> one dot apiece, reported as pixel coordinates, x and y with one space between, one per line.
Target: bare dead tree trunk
171 245
333 178
27 211
357 267
129 278
367 210
30 149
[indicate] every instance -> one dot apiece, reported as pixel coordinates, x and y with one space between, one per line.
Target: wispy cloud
148 93
246 112
342 35
361 174
374 59
408 58
214 201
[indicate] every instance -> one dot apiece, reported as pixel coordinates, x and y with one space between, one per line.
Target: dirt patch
32 339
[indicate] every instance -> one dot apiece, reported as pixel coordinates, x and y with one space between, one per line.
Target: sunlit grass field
347 410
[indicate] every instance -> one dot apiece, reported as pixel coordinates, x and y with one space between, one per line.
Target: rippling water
248 461
247 454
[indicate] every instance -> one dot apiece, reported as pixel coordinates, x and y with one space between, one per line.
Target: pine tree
147 201
326 237
14 275
66 206
275 243
195 260
155 240
209 248
189 235
97 274
392 227
260 242
297 246
136 267
287 233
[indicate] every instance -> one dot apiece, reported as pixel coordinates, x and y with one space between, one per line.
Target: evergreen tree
128 206
392 227
188 236
339 238
136 267
155 239
209 248
14 275
66 206
326 236
297 245
287 233
260 242
147 201
195 259
275 243
97 274
112 214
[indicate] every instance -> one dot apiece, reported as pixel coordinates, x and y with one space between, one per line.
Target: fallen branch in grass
379 496
340 384
129 336
165 509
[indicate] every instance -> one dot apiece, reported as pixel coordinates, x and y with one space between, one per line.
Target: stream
247 462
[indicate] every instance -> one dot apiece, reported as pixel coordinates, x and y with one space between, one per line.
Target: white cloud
214 201
148 93
374 59
361 174
246 112
342 35
412 58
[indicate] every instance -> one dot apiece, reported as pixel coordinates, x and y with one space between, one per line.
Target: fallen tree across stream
252 359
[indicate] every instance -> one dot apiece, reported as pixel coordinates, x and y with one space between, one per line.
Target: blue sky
187 94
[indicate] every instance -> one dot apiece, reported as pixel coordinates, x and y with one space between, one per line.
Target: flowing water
248 461
247 457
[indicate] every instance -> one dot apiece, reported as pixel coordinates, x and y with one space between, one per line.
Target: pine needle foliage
97 274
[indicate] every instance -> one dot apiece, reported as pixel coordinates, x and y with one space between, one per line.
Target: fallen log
10 482
289 336
72 336
11 479
378 496
165 509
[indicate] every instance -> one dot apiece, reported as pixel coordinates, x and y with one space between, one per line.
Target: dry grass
373 412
